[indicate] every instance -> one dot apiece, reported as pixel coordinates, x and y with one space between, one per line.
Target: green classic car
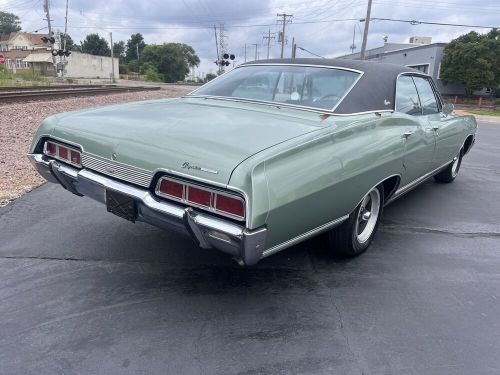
265 156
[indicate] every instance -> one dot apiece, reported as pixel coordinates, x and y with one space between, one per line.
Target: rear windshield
296 85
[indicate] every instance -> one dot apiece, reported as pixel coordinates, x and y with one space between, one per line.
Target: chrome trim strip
280 104
304 236
117 170
414 183
277 105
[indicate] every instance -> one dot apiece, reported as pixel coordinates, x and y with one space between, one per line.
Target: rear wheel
355 234
451 171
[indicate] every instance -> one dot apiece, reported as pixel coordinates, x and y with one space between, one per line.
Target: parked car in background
265 156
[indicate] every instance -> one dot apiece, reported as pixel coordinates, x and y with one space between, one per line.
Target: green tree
70 44
119 49
473 60
136 42
151 73
95 45
9 23
210 76
172 60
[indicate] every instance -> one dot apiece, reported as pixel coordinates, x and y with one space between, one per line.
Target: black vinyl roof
375 90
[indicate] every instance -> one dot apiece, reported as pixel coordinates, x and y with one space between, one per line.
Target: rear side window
427 97
406 97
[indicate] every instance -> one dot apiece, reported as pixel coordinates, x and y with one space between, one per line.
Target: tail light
64 153
225 204
230 205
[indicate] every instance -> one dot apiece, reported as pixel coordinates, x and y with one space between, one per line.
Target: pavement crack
363 367
28 257
416 229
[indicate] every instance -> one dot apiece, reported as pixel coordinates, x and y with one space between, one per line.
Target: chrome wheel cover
455 166
368 214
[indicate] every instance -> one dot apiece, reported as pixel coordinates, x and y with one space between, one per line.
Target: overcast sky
324 27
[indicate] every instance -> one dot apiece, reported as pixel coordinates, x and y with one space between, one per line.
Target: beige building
26 51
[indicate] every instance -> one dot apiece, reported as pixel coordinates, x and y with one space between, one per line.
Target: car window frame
411 75
434 92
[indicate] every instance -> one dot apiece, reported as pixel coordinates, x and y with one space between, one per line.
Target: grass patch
21 78
486 113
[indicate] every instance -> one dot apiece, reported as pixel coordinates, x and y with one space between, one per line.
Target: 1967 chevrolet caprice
265 156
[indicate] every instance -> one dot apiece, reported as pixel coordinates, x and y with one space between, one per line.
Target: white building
76 65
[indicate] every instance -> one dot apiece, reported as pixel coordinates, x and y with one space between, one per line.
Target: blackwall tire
449 174
355 235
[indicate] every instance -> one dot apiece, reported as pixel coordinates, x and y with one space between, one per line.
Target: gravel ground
18 122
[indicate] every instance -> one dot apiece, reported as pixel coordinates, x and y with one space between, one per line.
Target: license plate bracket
121 205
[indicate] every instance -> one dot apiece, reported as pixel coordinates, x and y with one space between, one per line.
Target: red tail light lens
75 157
225 204
171 188
63 153
51 148
230 205
199 196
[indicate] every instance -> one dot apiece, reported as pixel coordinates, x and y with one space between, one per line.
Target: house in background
27 52
420 54
17 46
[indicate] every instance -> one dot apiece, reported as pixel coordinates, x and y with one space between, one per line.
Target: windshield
291 84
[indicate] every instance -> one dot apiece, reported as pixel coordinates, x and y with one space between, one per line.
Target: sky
322 27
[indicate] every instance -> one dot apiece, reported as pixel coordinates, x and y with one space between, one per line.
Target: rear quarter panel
321 177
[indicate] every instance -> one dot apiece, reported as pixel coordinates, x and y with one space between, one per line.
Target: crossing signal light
50 40
61 52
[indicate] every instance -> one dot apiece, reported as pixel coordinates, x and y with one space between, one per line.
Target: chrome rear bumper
246 246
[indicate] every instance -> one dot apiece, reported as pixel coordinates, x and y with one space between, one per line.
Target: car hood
208 135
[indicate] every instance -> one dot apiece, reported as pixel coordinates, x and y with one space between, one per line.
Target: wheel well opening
468 143
390 187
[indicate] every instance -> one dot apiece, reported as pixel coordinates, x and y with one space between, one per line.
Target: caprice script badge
186 165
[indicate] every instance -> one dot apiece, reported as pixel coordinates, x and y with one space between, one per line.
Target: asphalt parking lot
85 292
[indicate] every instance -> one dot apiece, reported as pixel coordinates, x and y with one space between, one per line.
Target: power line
312 53
200 27
415 22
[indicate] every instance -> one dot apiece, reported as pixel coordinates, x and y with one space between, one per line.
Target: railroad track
17 94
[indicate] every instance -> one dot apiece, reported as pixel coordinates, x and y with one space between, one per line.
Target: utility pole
268 37
222 45
63 58
47 13
365 32
285 18
113 58
245 52
353 46
217 60
294 48
256 47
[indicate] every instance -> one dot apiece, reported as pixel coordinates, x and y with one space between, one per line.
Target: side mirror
448 108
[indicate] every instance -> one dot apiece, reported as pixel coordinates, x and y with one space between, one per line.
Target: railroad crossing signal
225 57
61 52
50 40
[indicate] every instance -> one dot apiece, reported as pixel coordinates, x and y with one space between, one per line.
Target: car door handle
407 134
